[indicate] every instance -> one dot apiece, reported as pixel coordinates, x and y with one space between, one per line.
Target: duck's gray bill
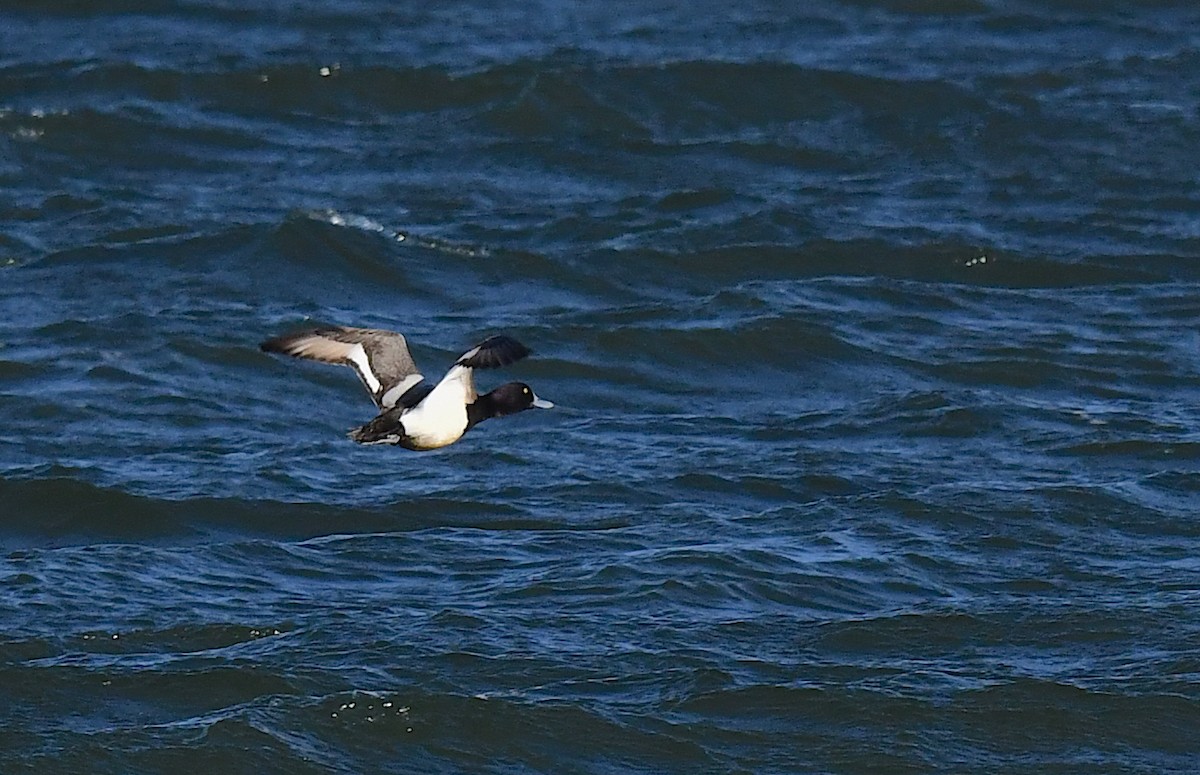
541 403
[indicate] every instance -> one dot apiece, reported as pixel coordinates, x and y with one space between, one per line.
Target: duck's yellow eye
525 390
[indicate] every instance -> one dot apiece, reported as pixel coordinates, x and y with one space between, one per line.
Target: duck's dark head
509 398
513 397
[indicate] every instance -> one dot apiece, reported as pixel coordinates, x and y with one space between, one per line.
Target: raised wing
380 358
493 352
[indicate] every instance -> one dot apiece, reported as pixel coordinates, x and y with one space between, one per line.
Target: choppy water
872 328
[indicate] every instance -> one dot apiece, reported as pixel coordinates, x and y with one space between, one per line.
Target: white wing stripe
358 356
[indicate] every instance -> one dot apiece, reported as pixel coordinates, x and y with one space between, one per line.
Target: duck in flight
412 412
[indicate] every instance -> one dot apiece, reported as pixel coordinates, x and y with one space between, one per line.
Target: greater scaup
412 412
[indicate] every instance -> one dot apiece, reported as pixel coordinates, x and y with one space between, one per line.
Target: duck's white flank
441 418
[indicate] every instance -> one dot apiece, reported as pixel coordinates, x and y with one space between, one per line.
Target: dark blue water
872 330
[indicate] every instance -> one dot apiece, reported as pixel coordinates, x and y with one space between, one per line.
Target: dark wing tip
495 351
276 344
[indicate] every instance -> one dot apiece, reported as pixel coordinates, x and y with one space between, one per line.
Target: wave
353 256
52 510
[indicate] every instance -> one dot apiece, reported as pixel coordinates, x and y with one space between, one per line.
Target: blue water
872 331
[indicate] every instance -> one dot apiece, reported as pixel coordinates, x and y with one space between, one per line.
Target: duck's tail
384 429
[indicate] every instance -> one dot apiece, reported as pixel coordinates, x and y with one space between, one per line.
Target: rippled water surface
872 330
